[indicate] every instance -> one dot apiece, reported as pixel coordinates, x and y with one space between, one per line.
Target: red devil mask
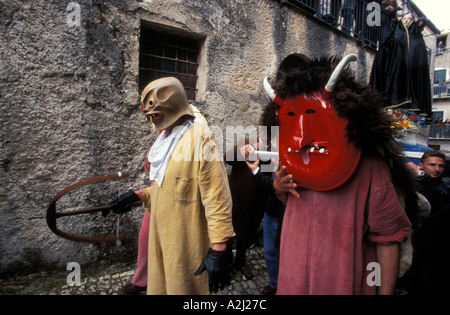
313 144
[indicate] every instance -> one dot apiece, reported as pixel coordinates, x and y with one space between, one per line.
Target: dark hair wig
369 127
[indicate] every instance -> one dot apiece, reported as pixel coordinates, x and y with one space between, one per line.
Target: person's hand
283 183
253 165
217 263
247 151
123 203
414 168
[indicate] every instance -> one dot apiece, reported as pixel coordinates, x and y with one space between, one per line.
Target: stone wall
70 104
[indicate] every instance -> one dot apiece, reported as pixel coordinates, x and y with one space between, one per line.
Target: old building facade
70 81
439 136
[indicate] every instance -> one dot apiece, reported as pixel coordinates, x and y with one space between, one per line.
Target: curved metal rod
53 215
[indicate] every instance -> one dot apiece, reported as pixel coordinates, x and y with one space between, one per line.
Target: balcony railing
350 16
439 131
441 91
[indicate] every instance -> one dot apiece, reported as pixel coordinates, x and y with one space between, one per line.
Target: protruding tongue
305 154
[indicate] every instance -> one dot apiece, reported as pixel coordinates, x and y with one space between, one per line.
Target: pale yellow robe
189 212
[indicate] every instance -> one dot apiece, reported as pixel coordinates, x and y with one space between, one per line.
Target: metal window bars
162 55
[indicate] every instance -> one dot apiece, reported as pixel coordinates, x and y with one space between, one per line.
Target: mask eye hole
291 114
310 111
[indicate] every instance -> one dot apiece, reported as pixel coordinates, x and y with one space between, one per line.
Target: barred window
164 54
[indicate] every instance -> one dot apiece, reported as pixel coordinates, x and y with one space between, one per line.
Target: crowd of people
317 240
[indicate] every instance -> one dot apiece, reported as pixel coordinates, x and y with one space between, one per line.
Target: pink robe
329 238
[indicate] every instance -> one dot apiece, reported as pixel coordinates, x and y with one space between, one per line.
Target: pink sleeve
387 220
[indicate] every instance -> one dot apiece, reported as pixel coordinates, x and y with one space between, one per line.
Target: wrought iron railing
441 90
439 131
351 17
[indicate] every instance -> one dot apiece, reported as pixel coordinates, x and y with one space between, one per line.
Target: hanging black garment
420 73
390 70
400 70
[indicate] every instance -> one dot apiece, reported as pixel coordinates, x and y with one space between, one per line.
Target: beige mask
164 101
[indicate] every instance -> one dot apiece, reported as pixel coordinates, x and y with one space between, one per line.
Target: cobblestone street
104 278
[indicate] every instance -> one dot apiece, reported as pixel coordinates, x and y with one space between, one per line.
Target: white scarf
162 150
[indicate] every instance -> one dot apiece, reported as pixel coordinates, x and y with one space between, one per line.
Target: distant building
441 92
439 136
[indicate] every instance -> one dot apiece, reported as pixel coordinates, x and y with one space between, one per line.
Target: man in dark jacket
433 185
430 270
273 215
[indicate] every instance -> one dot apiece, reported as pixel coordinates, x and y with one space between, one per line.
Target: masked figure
313 144
189 199
343 181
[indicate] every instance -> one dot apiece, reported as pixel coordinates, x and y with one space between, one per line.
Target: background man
430 272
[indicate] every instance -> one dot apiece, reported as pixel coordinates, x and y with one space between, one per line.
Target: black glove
218 265
122 203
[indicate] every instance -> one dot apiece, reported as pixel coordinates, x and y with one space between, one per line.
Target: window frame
171 50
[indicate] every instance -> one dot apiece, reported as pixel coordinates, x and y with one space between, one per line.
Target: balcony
350 17
441 91
439 131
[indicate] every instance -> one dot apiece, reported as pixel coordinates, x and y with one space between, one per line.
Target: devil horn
269 90
338 71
